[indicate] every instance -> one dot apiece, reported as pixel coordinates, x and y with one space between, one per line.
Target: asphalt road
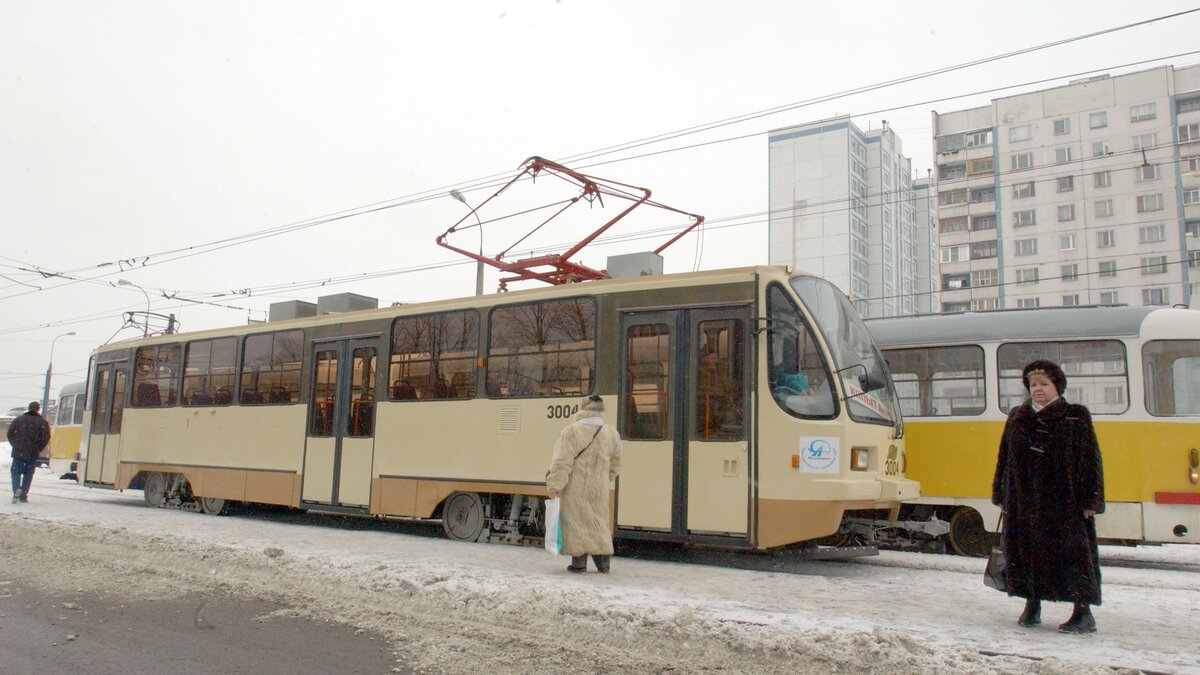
42 633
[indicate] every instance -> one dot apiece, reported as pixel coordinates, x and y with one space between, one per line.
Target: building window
1028 303
952 171
1193 260
952 197
1022 161
953 282
955 253
1024 218
1028 275
1102 179
1109 297
944 143
1066 212
1025 247
1148 234
953 307
984 165
1062 126
1021 190
979 138
983 249
1141 113
1066 183
1190 164
1098 120
1189 132
1021 133
1154 265
1070 272
1146 203
1104 208
1106 239
1108 268
985 304
987 194
1183 105
1070 300
984 278
1066 242
1191 228
1191 196
986 222
1154 296
1145 141
955 224
1145 173
1062 155
1099 148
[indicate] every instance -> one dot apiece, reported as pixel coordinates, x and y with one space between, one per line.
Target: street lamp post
49 370
124 282
458 196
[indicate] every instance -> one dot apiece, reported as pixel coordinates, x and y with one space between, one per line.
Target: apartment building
842 206
1083 194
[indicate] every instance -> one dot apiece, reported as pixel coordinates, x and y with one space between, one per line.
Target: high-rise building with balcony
1083 194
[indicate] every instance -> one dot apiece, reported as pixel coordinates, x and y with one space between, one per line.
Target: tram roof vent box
643 264
291 309
345 302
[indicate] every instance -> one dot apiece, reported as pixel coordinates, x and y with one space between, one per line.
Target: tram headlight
860 458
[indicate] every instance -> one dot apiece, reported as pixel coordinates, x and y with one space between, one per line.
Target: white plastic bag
553 532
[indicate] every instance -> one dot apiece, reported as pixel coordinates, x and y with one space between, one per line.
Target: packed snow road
476 608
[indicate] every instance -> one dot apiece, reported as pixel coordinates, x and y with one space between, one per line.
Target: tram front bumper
898 489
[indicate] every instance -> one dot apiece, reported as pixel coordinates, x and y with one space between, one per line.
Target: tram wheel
968 536
462 516
154 490
213 506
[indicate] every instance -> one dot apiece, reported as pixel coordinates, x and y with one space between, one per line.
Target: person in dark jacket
28 435
1049 484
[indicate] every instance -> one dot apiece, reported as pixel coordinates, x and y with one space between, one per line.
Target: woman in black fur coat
1049 483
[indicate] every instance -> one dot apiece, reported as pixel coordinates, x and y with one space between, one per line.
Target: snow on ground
452 607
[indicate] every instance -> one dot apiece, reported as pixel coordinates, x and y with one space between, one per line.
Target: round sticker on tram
819 454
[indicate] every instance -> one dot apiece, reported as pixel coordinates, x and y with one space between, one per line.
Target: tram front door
684 417
104 434
339 449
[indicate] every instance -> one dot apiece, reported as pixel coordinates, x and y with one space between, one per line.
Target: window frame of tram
720 371
434 356
784 322
279 362
939 381
209 372
360 423
1162 388
1101 384
647 382
324 393
155 371
544 349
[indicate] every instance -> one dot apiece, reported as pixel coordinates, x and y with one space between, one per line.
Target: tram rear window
156 376
542 349
1172 377
434 356
271 368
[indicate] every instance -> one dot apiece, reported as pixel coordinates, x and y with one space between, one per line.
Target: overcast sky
131 129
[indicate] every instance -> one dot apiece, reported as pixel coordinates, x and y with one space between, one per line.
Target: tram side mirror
872 381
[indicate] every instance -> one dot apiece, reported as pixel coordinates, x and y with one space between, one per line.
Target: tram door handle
1194 460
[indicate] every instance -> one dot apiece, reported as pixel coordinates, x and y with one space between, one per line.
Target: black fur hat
1048 368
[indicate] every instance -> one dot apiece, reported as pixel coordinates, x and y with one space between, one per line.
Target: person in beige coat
587 457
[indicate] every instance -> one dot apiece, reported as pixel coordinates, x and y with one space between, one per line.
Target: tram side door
108 411
684 402
339 447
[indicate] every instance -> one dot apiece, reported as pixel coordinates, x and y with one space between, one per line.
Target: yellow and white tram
450 409
68 425
1136 368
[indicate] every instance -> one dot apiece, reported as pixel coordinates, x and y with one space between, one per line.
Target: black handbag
995 575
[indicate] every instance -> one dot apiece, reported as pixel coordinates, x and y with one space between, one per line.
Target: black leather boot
601 563
1081 620
578 564
1032 615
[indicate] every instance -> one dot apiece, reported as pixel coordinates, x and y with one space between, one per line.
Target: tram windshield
857 361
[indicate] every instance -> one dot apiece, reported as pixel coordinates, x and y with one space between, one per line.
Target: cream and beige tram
753 404
1136 368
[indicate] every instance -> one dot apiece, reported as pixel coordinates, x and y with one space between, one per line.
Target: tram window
798 378
1172 377
79 399
270 370
434 356
721 380
118 403
938 381
1096 370
324 410
101 402
208 372
66 410
647 374
156 376
361 421
542 349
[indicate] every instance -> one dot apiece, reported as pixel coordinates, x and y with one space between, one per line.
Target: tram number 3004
557 412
